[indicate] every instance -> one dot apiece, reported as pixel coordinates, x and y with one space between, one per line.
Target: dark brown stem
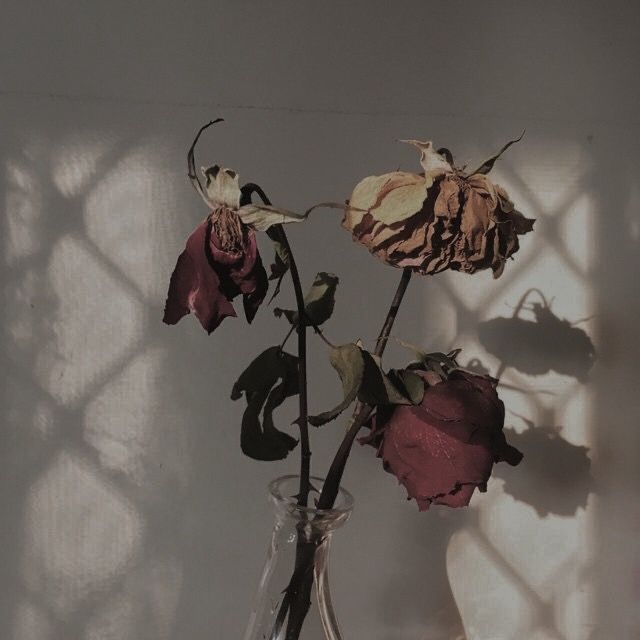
278 232
301 329
362 412
298 593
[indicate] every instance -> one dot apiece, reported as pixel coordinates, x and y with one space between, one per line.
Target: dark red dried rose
444 219
445 448
220 261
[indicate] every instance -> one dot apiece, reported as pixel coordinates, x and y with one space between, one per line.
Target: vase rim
344 502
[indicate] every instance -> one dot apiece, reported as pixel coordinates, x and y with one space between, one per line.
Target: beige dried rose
440 219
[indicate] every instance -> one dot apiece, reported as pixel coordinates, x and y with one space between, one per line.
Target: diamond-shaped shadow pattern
83 373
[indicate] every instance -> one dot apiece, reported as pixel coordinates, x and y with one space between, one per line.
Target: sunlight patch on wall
96 322
79 533
118 422
23 212
128 207
522 571
77 161
489 604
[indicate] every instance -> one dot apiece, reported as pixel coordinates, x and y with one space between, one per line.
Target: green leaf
348 361
487 165
319 301
266 383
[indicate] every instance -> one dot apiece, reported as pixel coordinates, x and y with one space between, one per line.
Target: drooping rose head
441 219
444 448
220 261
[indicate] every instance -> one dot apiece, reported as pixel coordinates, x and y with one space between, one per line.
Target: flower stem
362 412
298 592
278 233
301 329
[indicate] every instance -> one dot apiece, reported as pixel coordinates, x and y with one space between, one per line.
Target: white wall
128 511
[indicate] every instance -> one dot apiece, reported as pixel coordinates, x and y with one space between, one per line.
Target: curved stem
297 595
278 233
362 412
301 329
191 163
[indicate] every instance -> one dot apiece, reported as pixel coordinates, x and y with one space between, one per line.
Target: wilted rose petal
441 220
445 448
220 261
195 286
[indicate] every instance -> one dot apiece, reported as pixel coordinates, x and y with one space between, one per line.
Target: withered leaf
379 388
280 265
266 382
348 361
261 216
409 382
363 378
487 165
319 301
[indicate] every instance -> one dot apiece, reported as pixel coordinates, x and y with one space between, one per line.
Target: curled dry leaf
319 301
266 383
348 361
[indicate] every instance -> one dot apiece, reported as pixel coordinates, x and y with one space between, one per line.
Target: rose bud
220 261
444 448
441 219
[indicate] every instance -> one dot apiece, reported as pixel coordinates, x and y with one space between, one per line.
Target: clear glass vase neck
300 545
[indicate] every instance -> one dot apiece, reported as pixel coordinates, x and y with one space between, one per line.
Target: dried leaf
348 361
319 301
259 382
409 382
261 216
280 265
377 387
487 165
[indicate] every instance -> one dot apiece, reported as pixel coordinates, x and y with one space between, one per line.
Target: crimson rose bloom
444 448
220 261
440 219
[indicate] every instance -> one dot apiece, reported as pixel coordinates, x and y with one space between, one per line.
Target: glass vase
293 601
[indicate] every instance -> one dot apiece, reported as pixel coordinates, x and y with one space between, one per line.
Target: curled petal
222 186
445 448
388 198
433 163
195 286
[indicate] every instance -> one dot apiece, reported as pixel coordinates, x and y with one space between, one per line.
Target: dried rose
444 448
441 219
220 261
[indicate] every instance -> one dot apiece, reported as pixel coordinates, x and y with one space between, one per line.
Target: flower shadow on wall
535 347
549 589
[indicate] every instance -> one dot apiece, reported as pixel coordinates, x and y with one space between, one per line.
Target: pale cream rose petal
222 186
389 198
